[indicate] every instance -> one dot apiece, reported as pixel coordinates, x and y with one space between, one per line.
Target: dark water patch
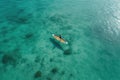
54 70
1 21
5 40
16 51
58 19
3 31
22 20
62 73
42 62
71 75
28 36
19 20
8 59
11 58
56 44
37 59
23 60
48 78
37 74
67 52
1 52
66 27
106 52
6 30
19 17
51 59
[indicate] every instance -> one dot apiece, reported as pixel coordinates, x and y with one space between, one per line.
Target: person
60 36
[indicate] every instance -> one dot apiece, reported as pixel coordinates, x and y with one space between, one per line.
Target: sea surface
28 50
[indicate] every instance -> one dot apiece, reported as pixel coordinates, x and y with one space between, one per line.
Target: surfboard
59 39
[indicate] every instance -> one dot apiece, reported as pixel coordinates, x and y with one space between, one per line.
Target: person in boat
59 38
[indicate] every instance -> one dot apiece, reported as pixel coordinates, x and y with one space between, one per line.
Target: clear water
29 52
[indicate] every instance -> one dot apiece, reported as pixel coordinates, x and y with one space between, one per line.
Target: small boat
58 38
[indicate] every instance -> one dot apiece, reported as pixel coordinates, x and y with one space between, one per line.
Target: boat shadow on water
56 44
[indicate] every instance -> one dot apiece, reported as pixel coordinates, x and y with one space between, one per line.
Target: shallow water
28 50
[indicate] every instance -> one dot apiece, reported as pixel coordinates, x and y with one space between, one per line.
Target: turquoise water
29 52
